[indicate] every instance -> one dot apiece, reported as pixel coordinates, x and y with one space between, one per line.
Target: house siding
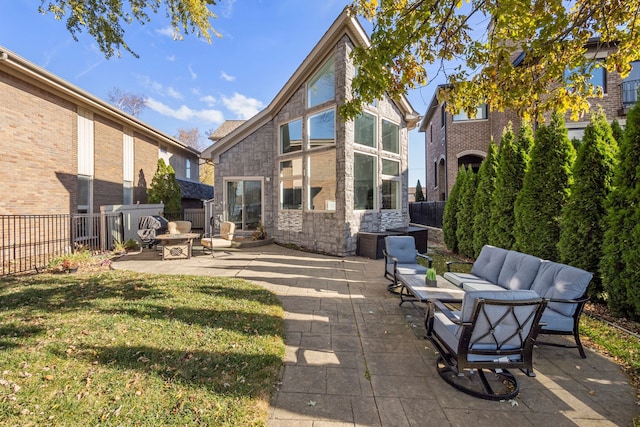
38 166
257 155
474 136
39 141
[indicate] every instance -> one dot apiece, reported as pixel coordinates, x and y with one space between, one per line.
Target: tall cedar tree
466 214
582 224
482 201
513 157
545 191
617 131
165 189
449 218
419 194
621 248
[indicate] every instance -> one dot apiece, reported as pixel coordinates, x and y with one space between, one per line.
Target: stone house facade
309 177
66 151
452 141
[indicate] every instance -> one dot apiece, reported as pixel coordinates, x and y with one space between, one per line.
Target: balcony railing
629 92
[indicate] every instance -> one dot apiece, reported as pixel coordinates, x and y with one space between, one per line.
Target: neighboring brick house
452 141
66 151
308 176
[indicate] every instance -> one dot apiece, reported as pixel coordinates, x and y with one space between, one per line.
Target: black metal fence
427 213
30 242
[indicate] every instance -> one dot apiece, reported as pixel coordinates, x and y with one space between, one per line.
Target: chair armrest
440 306
580 300
450 263
427 257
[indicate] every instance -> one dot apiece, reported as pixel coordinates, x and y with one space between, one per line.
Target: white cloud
227 77
209 100
227 8
243 107
193 74
185 113
173 93
171 58
167 31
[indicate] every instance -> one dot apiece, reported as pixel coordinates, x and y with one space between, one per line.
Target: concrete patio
354 357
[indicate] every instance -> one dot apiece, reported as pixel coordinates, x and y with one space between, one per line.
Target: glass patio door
244 203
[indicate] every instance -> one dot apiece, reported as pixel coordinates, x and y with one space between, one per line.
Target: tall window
291 184
364 181
322 129
86 154
481 114
322 181
127 192
291 137
84 193
187 167
390 184
127 167
390 137
321 88
365 130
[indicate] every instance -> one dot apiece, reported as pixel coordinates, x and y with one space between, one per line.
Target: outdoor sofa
563 286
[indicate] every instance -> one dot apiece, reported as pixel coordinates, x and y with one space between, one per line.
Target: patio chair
179 227
222 240
494 330
400 257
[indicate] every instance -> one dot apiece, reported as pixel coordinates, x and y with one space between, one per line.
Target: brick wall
107 178
39 155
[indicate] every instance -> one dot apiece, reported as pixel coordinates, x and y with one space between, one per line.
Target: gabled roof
433 107
347 24
195 190
19 67
225 129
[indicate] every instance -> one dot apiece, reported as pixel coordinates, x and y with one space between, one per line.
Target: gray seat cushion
555 321
459 278
407 269
481 286
489 263
518 271
561 281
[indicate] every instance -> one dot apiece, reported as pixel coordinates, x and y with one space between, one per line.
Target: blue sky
190 83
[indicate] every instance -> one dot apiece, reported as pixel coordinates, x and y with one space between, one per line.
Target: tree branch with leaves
105 21
481 39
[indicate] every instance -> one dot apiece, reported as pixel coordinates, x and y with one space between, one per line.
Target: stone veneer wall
257 156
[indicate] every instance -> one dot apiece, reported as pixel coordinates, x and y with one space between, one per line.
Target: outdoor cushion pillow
403 248
561 282
518 271
489 263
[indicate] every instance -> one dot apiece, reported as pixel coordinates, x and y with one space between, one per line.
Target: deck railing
30 242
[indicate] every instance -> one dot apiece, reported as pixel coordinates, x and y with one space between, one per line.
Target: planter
431 283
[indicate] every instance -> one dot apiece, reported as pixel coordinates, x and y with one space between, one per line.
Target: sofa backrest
561 281
403 248
518 271
489 263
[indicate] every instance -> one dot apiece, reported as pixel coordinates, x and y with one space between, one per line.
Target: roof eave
20 67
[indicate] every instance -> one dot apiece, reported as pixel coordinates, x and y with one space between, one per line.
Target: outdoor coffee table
177 246
414 289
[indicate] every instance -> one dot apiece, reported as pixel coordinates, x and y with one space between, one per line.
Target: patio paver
354 357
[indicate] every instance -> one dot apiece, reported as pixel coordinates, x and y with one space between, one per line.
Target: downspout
446 159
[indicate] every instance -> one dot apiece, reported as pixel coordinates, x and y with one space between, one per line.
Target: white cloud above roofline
185 113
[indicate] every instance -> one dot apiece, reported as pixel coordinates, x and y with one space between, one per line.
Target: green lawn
121 348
